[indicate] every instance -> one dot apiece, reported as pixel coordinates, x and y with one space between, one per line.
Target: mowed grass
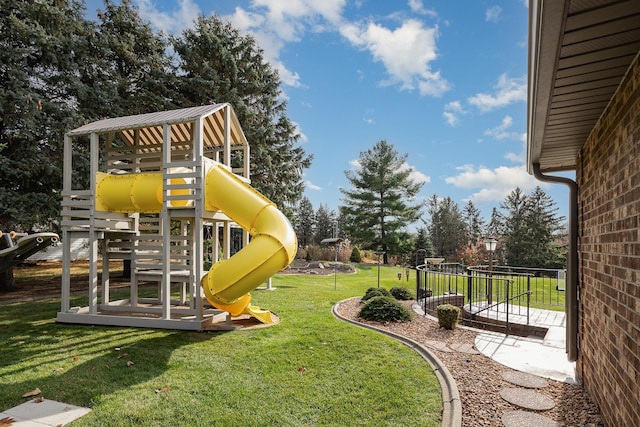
310 369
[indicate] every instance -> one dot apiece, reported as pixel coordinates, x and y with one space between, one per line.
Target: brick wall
608 177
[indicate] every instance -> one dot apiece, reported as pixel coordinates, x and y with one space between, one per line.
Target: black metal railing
490 298
546 285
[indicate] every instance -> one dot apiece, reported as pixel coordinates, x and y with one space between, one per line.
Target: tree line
59 70
381 204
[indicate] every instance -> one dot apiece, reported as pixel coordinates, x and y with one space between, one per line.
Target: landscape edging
452 406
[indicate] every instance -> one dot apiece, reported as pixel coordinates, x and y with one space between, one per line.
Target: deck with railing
498 297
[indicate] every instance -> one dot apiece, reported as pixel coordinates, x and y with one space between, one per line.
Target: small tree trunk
6 280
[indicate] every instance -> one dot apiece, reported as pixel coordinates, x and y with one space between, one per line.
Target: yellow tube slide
134 192
272 247
273 242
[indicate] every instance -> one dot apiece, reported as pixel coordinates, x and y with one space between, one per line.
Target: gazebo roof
579 52
149 126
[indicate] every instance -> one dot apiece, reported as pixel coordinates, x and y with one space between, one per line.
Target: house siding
608 176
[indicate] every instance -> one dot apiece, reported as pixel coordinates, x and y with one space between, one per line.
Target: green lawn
311 369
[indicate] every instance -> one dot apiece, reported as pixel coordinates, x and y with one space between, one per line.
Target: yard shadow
77 364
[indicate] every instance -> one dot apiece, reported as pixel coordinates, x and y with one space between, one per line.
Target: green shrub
307 256
385 309
448 315
355 255
402 294
375 292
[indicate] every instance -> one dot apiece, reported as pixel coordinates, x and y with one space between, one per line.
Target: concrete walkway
545 357
42 413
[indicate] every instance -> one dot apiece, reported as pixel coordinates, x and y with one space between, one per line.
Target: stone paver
438 345
523 379
527 419
464 348
527 399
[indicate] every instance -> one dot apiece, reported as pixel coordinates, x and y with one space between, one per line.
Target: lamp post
417 252
379 253
335 242
490 244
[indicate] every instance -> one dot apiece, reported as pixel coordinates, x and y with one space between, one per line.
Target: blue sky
443 81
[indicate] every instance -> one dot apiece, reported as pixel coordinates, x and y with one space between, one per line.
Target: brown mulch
479 378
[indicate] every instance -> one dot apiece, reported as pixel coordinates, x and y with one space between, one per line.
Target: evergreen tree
447 227
325 224
544 224
495 226
474 223
129 71
422 247
42 44
515 238
377 208
305 222
219 64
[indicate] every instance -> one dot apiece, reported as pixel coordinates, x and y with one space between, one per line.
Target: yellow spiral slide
273 242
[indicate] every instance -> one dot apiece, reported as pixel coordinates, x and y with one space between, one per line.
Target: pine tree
325 224
447 227
544 224
129 71
219 64
474 223
422 247
378 208
305 222
515 239
42 45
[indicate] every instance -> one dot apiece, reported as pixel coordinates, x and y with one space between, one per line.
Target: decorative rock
464 348
527 399
523 379
526 419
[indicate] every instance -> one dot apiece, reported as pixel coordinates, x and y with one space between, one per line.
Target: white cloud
311 186
405 52
521 156
170 22
502 130
493 184
416 6
415 175
493 14
507 91
276 22
452 112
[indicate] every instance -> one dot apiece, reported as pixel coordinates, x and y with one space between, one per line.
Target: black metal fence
490 298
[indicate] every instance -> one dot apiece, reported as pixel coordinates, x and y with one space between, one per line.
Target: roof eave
544 53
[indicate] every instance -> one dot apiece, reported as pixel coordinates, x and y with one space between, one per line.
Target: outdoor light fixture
490 243
336 242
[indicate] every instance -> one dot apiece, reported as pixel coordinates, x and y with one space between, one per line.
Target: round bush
402 294
448 316
375 292
385 309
